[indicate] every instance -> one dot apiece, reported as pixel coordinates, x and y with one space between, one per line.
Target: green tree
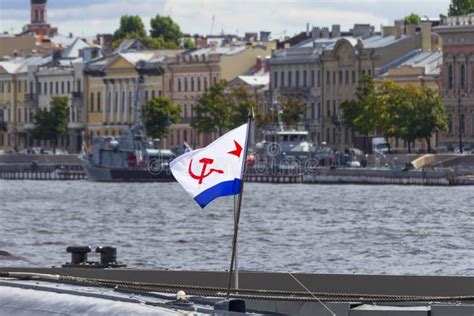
159 113
292 110
411 113
213 112
52 123
363 114
164 27
222 108
413 18
131 26
188 43
399 118
431 116
461 7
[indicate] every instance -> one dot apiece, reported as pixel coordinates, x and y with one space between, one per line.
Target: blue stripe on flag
222 189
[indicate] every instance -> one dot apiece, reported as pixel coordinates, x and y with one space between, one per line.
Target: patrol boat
128 157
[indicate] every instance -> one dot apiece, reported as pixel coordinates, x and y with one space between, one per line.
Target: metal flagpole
237 206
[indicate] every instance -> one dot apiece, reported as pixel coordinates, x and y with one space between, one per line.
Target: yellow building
111 89
15 113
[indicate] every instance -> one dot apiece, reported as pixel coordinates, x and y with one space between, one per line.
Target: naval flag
215 170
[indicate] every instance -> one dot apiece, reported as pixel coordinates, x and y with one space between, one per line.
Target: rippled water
310 228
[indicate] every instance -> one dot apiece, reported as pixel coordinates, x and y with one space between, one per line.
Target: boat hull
102 174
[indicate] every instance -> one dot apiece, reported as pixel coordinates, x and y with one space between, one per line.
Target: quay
40 167
274 178
43 174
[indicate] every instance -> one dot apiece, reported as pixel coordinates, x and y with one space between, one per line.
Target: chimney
307 29
410 29
426 37
388 30
316 33
335 30
398 28
325 32
267 64
259 64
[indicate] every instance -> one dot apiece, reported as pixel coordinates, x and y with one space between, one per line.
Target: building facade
324 71
457 79
115 84
188 75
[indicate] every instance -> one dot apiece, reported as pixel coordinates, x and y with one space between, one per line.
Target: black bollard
78 254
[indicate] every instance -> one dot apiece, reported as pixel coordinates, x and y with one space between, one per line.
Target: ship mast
138 124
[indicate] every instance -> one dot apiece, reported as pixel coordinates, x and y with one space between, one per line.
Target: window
328 108
463 125
170 83
192 83
334 107
179 85
463 77
369 72
205 83
328 78
45 86
340 77
78 85
98 102
328 136
214 80
19 86
319 110
282 79
1 87
50 88
275 79
57 87
39 88
347 77
353 77
305 79
297 75
334 78
69 87
146 95
199 84
312 78
313 110
185 84
62 87
363 72
289 78
450 76
92 102
319 78
116 102
152 94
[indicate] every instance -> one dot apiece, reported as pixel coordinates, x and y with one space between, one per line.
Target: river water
360 229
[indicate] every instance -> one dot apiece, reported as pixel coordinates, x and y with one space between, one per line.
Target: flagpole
237 207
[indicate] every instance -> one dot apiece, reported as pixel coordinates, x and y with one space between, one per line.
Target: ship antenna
138 124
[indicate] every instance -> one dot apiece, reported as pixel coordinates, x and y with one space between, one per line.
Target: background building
457 78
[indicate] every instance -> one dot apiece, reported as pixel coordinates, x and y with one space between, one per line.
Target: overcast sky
89 17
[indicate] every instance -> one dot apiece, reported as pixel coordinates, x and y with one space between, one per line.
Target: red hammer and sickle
205 162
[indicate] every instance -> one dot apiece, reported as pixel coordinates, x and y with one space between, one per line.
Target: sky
281 17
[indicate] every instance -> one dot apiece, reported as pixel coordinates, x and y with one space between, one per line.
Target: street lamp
460 122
